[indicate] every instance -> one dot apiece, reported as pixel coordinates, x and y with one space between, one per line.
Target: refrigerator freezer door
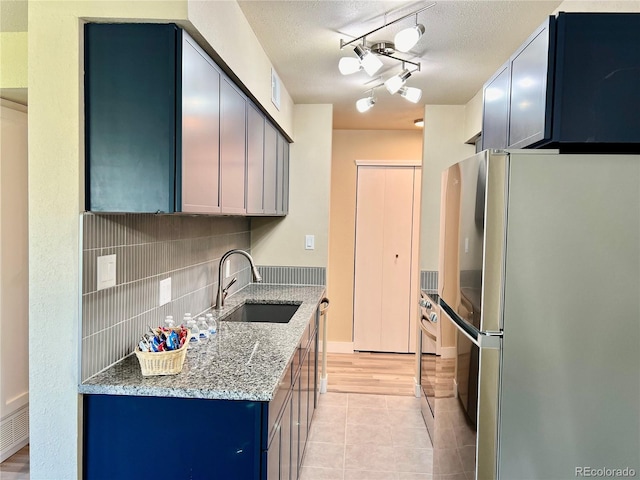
570 391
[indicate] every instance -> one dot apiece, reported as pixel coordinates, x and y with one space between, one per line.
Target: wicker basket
162 363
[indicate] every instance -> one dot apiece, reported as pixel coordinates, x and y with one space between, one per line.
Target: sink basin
263 312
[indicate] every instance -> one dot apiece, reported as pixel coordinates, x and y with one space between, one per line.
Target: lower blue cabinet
178 438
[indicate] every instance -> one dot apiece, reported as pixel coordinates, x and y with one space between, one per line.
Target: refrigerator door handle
488 339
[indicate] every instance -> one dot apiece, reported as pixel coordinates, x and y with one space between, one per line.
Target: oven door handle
424 326
479 339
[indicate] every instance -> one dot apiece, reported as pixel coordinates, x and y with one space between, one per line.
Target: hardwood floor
360 372
16 467
365 372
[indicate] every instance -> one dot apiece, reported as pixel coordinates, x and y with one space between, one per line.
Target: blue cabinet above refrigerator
572 85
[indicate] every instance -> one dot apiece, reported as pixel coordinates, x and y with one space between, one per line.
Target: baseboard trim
417 388
340 347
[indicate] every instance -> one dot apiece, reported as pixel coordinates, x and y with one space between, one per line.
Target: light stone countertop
225 366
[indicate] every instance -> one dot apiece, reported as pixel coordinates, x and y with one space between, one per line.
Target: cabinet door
130 117
285 442
255 161
200 130
315 375
285 181
280 176
273 456
232 149
530 109
296 456
495 113
304 402
270 168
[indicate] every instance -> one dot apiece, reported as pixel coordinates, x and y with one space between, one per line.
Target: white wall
280 241
444 138
473 117
14 302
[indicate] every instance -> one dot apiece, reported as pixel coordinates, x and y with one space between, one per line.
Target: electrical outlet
165 291
106 272
227 269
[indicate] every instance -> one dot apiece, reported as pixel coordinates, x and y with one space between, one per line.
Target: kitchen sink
263 312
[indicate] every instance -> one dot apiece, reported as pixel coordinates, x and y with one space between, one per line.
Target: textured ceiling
464 44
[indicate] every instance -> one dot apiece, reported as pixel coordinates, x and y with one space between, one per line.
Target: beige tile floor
368 437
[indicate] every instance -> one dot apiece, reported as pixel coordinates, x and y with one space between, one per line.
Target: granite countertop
228 365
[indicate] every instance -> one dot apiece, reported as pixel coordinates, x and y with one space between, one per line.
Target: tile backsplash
148 249
293 275
429 280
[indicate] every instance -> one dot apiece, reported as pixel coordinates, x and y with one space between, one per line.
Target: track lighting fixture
407 38
369 61
412 94
396 82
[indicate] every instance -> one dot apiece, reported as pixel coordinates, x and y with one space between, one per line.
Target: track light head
412 94
406 39
394 83
368 60
365 103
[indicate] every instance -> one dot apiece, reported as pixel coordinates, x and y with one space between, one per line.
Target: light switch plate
309 242
106 272
165 291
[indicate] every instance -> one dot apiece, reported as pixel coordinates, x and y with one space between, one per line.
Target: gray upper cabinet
232 149
495 115
270 168
255 161
200 130
528 102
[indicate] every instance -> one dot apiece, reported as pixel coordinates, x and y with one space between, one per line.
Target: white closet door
384 216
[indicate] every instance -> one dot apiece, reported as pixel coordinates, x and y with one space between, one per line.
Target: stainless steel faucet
222 294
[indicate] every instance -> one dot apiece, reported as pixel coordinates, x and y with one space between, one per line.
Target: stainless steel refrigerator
540 275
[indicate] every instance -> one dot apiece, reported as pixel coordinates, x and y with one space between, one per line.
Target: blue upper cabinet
572 85
597 81
131 136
